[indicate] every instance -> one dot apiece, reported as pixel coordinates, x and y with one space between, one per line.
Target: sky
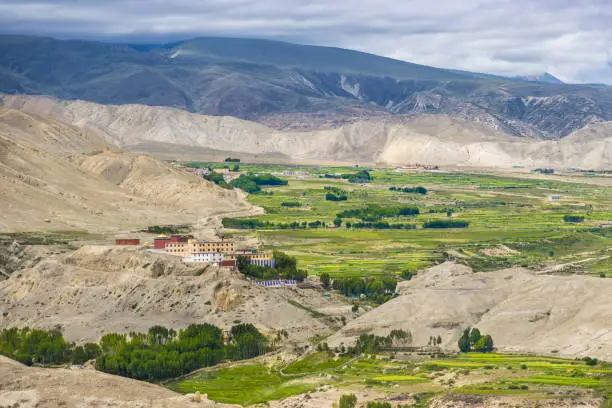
571 39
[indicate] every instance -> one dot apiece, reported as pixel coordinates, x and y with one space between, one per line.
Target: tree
464 341
338 222
407 274
439 340
348 401
484 344
474 336
325 280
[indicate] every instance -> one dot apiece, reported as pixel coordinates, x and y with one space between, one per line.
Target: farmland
512 222
521 376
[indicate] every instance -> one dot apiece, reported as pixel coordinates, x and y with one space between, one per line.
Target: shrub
325 280
573 218
446 224
291 204
348 401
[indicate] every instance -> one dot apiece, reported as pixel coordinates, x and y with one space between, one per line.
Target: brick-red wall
160 243
127 241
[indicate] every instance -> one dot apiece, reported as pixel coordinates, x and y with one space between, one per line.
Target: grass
316 362
501 210
244 385
257 383
312 312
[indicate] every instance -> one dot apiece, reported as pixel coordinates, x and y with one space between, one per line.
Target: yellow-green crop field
480 374
514 212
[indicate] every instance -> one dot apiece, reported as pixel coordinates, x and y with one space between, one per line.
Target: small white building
204 257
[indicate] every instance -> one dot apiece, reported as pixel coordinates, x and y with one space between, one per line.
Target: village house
257 258
206 257
195 246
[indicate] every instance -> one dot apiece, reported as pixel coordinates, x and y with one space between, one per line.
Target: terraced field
519 376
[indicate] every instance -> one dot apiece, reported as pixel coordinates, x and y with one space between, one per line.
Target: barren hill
523 311
434 139
101 289
47 183
29 387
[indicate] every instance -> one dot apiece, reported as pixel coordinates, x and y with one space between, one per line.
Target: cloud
569 38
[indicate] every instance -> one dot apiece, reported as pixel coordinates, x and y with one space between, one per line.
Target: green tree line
285 267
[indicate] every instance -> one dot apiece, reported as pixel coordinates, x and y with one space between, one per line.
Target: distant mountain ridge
287 86
544 78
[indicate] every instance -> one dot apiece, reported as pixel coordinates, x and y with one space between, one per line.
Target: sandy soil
62 189
28 387
101 289
524 311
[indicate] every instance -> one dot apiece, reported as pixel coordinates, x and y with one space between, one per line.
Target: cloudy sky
571 39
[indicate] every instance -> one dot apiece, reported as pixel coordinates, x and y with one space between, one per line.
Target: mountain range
288 86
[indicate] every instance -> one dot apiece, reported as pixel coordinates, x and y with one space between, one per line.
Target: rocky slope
522 310
30 387
48 184
101 289
433 139
264 80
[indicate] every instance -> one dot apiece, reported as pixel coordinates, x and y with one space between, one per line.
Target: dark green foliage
379 405
163 353
407 274
82 354
30 346
335 194
231 160
217 179
379 290
285 268
372 344
348 401
376 213
573 218
167 229
247 342
474 340
545 171
235 168
325 280
291 204
245 183
362 176
474 336
464 341
484 344
252 183
591 361
337 222
417 190
446 224
334 197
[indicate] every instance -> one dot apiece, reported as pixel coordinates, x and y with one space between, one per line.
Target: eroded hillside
48 183
524 311
433 139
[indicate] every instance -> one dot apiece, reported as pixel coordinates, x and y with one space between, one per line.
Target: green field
517 213
504 375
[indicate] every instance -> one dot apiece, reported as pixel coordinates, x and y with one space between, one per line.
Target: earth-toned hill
434 139
26 387
266 80
522 310
102 289
47 184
